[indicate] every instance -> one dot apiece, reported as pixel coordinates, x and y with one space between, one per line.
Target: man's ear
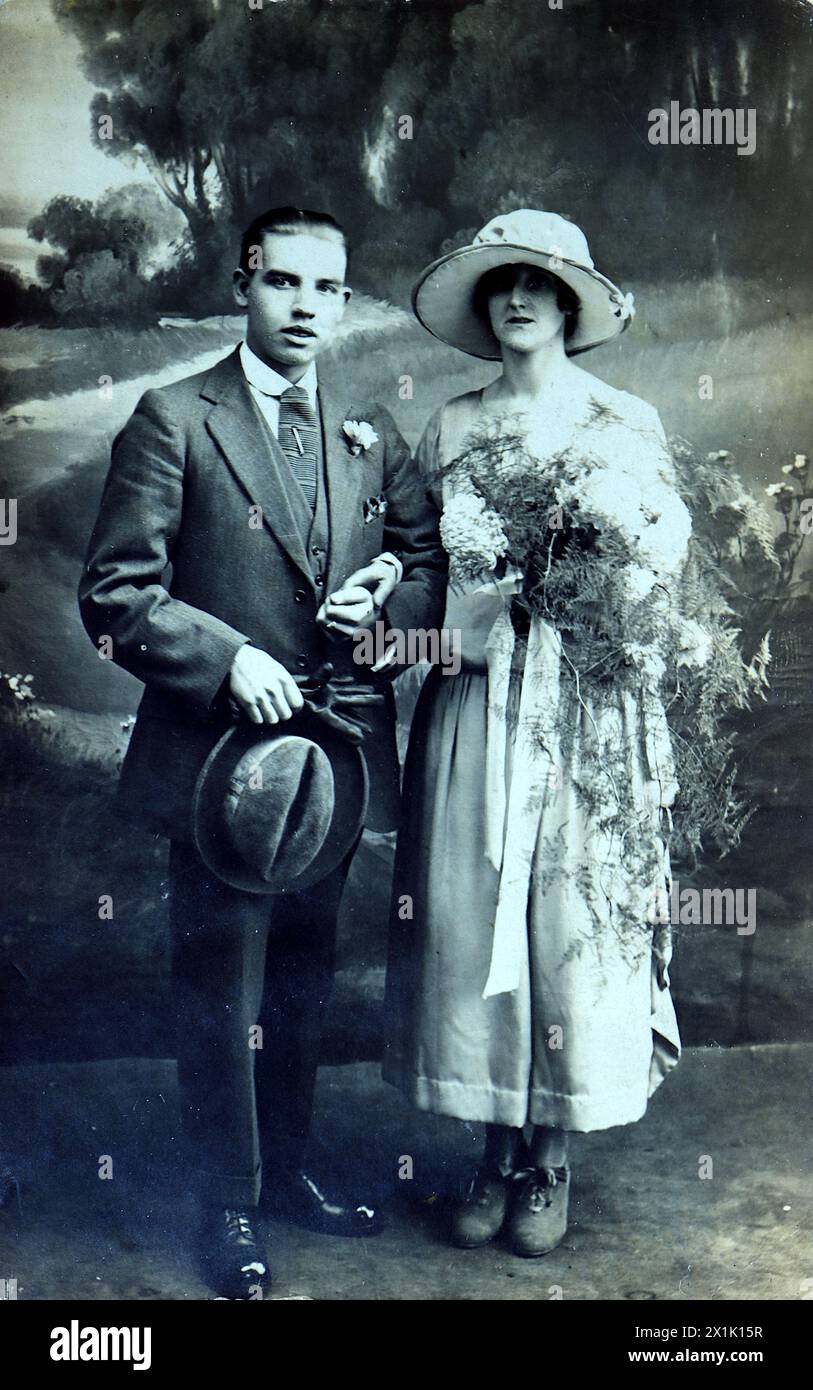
240 283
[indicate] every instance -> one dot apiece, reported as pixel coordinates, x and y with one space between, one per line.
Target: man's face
295 299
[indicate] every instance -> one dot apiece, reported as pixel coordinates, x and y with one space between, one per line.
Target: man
290 515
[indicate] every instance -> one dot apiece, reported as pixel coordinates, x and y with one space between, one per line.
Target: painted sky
45 144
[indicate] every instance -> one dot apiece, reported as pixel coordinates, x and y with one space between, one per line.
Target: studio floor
644 1223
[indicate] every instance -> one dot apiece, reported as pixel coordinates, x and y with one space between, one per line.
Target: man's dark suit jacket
186 469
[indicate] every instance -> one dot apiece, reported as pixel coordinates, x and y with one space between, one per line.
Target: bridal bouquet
599 543
603 541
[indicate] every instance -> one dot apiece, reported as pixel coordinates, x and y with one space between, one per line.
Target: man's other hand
350 608
262 688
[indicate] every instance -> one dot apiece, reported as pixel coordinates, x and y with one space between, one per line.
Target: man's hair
496 280
287 220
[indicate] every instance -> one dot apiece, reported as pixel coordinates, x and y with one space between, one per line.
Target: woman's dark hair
503 277
287 219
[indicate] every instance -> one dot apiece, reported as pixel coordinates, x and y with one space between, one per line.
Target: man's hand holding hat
262 688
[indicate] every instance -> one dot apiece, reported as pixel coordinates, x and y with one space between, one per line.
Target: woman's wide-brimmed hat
443 298
276 812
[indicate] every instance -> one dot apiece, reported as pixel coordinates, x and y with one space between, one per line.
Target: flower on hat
360 435
625 306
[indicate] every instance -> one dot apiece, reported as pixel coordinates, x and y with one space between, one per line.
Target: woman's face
522 308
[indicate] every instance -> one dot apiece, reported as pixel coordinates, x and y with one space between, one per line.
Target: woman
513 995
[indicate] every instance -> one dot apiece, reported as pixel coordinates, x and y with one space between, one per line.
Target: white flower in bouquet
663 540
647 660
639 582
612 496
471 533
647 512
695 644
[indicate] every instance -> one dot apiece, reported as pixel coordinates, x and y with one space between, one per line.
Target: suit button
302 661
300 596
316 550
319 581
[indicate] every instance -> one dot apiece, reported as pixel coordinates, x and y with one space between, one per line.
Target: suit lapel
255 458
345 483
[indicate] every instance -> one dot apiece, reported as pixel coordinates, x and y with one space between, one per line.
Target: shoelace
238 1225
540 1184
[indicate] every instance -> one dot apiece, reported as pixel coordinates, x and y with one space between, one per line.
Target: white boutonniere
360 436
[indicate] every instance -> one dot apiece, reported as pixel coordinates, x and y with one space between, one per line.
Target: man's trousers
240 960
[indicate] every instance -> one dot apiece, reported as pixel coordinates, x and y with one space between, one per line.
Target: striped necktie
298 438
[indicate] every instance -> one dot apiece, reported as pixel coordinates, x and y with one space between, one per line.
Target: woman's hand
359 601
381 577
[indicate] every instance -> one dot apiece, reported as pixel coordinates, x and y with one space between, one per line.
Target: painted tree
137 55
510 101
232 108
561 100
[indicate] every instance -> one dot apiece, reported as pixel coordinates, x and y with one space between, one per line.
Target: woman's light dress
511 996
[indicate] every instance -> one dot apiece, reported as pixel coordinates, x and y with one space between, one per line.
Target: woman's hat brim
443 298
352 791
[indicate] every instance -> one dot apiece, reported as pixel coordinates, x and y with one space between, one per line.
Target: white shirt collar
265 379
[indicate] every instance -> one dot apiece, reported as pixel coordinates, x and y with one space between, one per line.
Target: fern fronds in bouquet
630 554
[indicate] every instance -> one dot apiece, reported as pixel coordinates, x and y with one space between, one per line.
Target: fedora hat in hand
277 811
443 298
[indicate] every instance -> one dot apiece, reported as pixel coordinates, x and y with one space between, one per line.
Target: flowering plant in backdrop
628 561
791 499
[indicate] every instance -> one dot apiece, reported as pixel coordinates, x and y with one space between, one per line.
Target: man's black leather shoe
302 1200
234 1260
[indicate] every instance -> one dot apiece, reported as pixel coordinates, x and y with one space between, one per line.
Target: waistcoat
314 527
